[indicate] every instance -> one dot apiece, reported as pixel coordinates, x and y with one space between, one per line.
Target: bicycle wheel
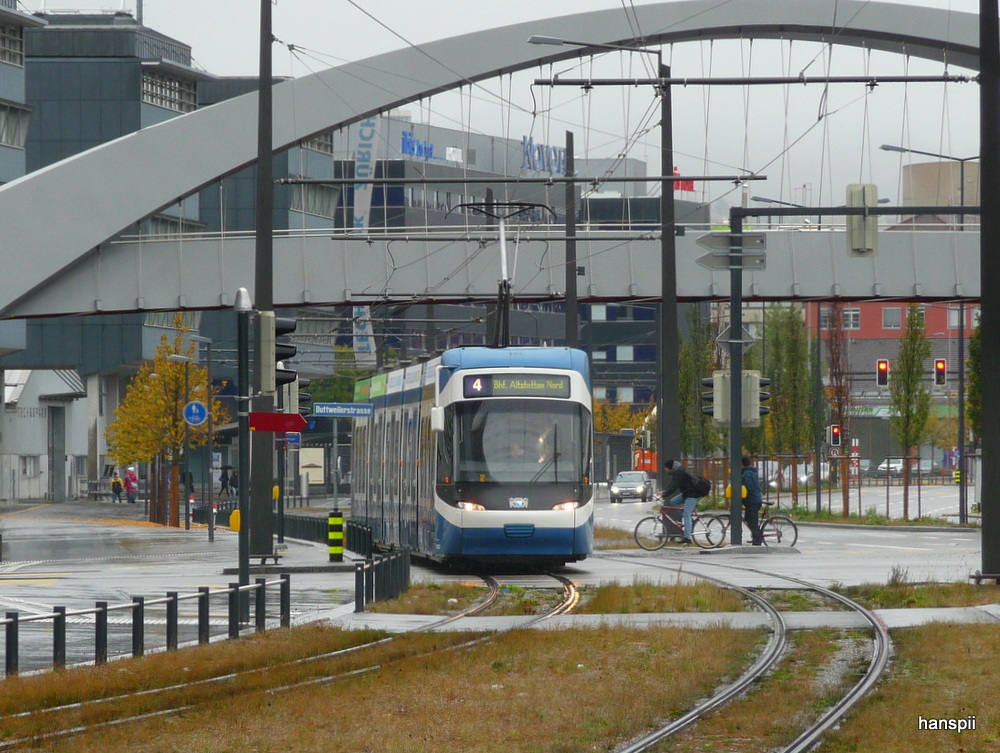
650 533
779 531
708 532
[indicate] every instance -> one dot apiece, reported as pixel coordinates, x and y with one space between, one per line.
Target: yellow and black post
336 535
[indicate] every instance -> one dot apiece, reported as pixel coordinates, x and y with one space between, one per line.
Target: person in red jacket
131 484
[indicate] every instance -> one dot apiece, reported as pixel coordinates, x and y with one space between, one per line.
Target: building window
976 312
851 317
316 199
892 317
322 143
921 312
625 394
599 354
11 45
29 465
954 317
598 312
168 92
600 393
624 353
14 125
825 315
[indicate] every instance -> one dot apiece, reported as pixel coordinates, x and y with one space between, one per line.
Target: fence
381 577
60 618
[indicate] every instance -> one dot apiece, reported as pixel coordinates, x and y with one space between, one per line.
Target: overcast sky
808 158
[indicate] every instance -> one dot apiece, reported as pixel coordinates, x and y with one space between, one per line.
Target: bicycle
651 533
779 530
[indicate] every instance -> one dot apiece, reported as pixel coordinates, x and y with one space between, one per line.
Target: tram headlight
567 506
470 506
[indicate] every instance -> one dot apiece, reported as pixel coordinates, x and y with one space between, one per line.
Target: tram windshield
521 441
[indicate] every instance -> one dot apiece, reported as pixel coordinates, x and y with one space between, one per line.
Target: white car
634 484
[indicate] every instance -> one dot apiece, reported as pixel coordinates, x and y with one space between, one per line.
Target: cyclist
753 500
681 482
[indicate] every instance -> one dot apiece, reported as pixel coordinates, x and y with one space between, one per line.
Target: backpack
701 485
116 485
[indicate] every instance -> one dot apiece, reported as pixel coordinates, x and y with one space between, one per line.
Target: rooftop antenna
501 211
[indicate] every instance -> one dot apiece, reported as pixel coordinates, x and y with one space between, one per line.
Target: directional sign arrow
276 422
721 240
749 259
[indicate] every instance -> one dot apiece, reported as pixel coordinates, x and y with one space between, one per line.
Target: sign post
337 411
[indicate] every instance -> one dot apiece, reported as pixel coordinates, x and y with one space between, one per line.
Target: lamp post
243 308
187 435
667 410
961 173
211 430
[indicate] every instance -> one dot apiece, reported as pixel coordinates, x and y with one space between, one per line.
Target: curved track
176 698
881 650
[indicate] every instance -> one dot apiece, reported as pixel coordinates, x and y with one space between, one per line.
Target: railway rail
77 718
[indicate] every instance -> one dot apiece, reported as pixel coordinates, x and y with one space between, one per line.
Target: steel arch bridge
59 221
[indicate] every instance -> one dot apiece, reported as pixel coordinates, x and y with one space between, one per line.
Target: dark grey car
631 485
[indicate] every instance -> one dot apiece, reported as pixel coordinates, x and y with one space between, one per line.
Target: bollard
203 627
260 605
335 523
285 596
234 610
11 644
172 620
101 633
59 637
138 626
359 587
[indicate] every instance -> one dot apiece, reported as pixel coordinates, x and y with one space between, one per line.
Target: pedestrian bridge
59 222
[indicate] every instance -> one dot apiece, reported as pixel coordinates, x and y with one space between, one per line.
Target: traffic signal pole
261 522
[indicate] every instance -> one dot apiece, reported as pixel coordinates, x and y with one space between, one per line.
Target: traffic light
882 372
833 435
717 398
940 372
299 401
753 396
284 350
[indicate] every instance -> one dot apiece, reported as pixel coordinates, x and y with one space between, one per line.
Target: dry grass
606 537
432 598
644 597
939 672
901 592
524 691
816 672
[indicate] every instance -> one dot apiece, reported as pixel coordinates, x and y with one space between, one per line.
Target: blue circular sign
195 413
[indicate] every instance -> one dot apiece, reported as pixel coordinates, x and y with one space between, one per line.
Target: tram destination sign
515 385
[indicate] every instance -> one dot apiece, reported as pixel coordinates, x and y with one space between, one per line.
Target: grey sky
808 159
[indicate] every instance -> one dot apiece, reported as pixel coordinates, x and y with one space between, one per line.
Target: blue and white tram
481 454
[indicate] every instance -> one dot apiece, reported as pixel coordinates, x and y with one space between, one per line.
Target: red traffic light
940 372
834 435
882 372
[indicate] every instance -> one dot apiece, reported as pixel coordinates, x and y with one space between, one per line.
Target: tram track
807 739
176 698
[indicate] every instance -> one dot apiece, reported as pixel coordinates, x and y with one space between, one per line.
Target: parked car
892 468
632 485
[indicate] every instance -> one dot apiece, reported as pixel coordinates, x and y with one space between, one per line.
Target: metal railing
60 618
381 577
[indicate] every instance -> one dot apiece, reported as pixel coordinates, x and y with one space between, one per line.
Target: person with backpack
752 501
684 484
116 488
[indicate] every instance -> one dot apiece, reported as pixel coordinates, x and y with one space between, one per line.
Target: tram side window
445 448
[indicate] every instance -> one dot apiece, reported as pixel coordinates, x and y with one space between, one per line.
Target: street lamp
961 172
187 436
668 410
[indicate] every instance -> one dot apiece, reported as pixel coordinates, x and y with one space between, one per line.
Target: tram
480 455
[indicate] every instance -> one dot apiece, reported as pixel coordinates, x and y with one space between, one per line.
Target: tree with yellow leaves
149 422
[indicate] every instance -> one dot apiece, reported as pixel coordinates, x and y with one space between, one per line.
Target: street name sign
343 410
276 422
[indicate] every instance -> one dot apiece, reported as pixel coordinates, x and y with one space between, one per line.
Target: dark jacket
752 483
681 481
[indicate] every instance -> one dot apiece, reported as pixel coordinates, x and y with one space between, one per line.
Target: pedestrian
224 484
131 484
752 501
682 483
116 488
234 483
